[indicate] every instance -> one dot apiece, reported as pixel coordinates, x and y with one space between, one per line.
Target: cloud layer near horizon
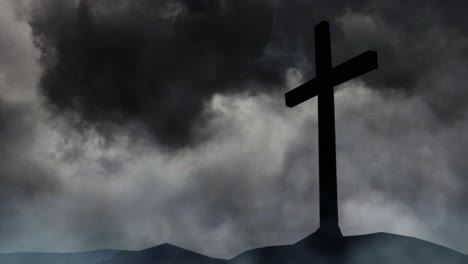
129 124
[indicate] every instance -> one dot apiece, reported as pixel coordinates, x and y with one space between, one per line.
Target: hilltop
381 248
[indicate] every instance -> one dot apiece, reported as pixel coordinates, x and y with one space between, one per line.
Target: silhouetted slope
380 248
163 254
90 257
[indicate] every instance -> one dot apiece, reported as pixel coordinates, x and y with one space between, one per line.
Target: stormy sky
126 124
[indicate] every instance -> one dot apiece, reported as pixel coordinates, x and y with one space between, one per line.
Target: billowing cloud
152 62
158 63
23 176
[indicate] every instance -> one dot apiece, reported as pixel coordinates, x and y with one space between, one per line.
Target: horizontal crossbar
344 72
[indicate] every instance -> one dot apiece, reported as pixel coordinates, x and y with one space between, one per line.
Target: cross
322 86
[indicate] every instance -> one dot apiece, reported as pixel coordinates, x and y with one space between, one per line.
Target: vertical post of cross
326 131
322 86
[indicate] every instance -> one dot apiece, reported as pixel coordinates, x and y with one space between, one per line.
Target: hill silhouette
381 248
89 257
164 253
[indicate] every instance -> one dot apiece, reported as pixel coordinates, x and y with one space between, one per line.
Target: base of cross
327 240
329 231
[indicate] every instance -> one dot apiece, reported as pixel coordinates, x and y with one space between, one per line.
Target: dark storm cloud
153 62
157 63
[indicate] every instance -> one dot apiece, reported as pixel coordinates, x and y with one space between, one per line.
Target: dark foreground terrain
378 248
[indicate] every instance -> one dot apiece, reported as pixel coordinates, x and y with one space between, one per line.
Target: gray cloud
24 177
255 183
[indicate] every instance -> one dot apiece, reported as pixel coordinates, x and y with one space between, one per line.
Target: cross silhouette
322 86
